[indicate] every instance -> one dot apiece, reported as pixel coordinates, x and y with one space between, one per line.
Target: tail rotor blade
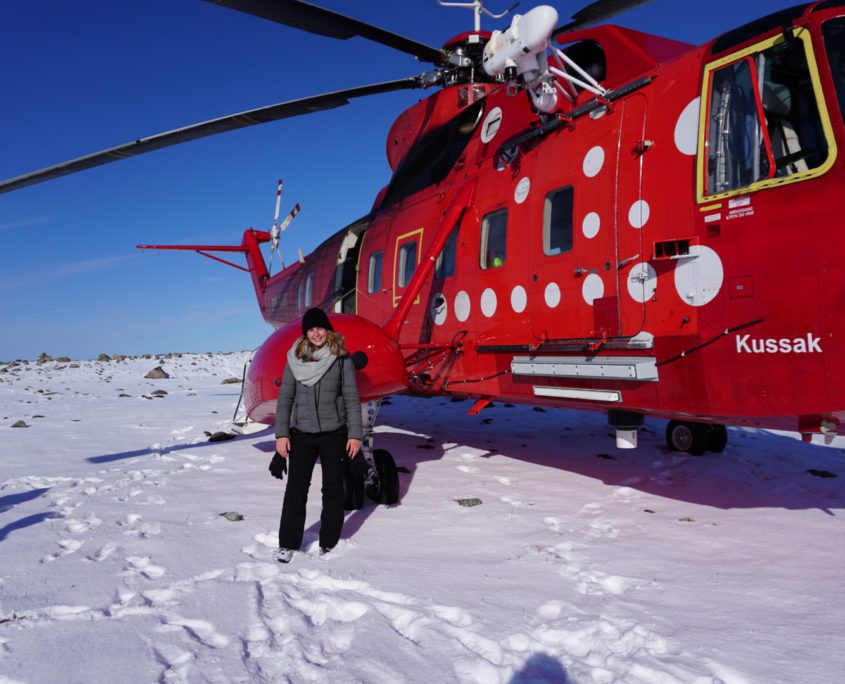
290 217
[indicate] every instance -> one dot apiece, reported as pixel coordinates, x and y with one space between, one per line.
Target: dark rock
118 357
122 395
19 424
231 381
821 473
159 393
468 503
232 516
221 437
73 365
104 357
157 373
63 359
43 357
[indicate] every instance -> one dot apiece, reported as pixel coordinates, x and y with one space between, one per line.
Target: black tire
387 491
353 490
717 438
687 437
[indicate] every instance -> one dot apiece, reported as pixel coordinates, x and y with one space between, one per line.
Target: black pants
305 447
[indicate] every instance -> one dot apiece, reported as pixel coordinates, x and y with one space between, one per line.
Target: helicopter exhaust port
626 423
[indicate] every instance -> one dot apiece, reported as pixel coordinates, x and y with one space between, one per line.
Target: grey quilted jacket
326 406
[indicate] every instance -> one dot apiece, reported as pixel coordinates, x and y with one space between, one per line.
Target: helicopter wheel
385 490
717 438
688 437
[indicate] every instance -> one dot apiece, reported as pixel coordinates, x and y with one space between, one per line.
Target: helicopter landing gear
696 438
376 475
385 486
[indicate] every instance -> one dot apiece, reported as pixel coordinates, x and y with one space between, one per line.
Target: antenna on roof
477 9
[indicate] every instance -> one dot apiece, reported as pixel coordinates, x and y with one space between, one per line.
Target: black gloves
278 466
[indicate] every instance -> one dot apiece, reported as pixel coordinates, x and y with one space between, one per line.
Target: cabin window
834 39
494 229
309 289
374 272
557 221
444 267
763 120
407 263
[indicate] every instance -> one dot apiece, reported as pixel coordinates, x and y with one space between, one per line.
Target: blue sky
81 77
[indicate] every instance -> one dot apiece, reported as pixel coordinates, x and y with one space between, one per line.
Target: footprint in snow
203 631
76 526
603 529
516 503
103 552
552 523
141 565
68 547
467 469
597 583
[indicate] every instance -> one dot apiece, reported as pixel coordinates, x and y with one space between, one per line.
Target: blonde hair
334 340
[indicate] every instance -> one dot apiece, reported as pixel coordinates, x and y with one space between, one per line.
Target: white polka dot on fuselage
488 302
462 306
519 299
593 288
593 162
686 128
590 225
552 295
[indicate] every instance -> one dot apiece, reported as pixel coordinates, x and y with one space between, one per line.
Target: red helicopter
582 216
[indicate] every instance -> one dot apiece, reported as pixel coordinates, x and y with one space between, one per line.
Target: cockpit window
433 156
834 40
763 118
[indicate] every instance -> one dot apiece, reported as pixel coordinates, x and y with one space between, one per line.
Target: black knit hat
315 318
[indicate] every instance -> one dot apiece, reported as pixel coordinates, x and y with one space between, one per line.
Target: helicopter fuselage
672 249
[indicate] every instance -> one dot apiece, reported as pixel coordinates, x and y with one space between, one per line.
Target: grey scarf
309 372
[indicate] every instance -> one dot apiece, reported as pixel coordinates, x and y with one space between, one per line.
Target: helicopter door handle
580 270
625 262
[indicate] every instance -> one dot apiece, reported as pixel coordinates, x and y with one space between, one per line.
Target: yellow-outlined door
406 258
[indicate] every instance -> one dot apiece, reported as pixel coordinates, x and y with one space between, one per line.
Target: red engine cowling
382 375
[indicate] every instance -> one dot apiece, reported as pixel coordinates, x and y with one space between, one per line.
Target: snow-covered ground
582 563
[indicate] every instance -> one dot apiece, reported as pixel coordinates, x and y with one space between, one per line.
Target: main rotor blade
601 10
324 22
282 110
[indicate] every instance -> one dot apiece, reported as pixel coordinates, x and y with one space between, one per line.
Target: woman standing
318 413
